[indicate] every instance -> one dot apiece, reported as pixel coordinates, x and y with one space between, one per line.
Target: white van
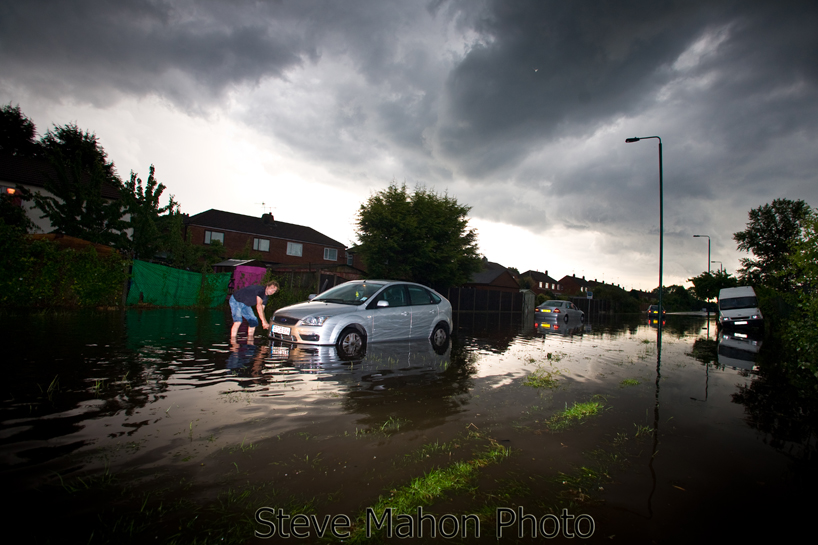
738 307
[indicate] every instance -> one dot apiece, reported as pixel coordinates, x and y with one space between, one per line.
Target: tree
769 235
69 143
801 332
150 221
422 237
17 133
78 208
708 285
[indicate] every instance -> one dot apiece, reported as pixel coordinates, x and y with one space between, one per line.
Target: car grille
285 320
288 338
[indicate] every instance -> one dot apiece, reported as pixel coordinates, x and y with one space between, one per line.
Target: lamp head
632 140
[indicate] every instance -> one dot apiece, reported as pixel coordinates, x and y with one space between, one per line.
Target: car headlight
314 320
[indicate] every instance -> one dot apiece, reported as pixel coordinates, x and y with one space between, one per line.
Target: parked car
653 310
554 311
366 311
738 307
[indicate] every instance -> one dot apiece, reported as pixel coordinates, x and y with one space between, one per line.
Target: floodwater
149 425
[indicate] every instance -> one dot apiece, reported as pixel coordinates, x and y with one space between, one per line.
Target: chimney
267 218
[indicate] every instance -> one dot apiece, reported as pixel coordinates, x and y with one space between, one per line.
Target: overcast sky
519 109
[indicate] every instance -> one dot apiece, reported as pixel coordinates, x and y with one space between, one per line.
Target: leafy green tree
17 133
69 144
801 332
422 237
151 222
77 207
707 285
769 236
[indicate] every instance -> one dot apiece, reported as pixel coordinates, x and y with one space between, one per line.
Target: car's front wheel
351 343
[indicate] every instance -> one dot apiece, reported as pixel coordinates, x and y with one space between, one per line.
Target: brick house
541 282
278 242
575 286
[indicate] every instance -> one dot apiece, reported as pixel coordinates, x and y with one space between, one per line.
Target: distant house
541 282
277 242
575 286
493 276
33 174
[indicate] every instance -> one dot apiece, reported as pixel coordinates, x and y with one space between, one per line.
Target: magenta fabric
245 276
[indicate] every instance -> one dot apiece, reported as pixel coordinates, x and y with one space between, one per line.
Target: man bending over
241 305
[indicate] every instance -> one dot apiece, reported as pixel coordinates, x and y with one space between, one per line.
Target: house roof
27 171
539 277
265 226
578 281
490 273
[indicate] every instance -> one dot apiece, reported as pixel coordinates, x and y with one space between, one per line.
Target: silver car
555 311
355 313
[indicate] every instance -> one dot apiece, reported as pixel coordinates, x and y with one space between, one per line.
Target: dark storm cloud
596 61
521 107
189 52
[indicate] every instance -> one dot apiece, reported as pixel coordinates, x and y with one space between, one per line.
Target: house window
330 254
213 236
294 248
261 244
350 259
540 283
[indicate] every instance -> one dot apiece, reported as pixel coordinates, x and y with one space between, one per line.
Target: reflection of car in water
572 326
382 361
738 349
738 307
654 322
360 312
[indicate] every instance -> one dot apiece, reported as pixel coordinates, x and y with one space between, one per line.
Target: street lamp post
721 265
661 216
708 250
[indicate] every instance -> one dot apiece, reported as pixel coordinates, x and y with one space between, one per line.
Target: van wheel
351 343
566 319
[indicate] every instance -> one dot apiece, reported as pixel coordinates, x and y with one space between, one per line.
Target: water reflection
152 387
739 349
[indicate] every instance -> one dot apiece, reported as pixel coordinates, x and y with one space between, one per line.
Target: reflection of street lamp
721 267
708 250
661 215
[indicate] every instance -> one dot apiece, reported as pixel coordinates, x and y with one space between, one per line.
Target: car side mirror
311 296
383 303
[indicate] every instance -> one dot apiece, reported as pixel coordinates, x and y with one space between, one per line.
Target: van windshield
738 302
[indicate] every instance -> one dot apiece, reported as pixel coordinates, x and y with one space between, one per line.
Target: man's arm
260 309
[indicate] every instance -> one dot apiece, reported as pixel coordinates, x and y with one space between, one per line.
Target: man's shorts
240 310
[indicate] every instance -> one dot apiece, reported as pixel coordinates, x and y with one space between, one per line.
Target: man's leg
235 329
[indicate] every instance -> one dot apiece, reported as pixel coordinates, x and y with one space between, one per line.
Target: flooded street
149 425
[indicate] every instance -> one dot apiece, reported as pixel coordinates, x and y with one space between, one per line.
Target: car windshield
738 302
350 293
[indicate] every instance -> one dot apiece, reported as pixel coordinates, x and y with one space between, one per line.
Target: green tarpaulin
167 287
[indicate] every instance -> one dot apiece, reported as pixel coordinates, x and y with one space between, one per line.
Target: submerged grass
629 382
575 414
543 377
424 490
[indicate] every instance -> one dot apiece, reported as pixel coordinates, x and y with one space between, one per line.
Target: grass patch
424 490
575 414
629 382
543 378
